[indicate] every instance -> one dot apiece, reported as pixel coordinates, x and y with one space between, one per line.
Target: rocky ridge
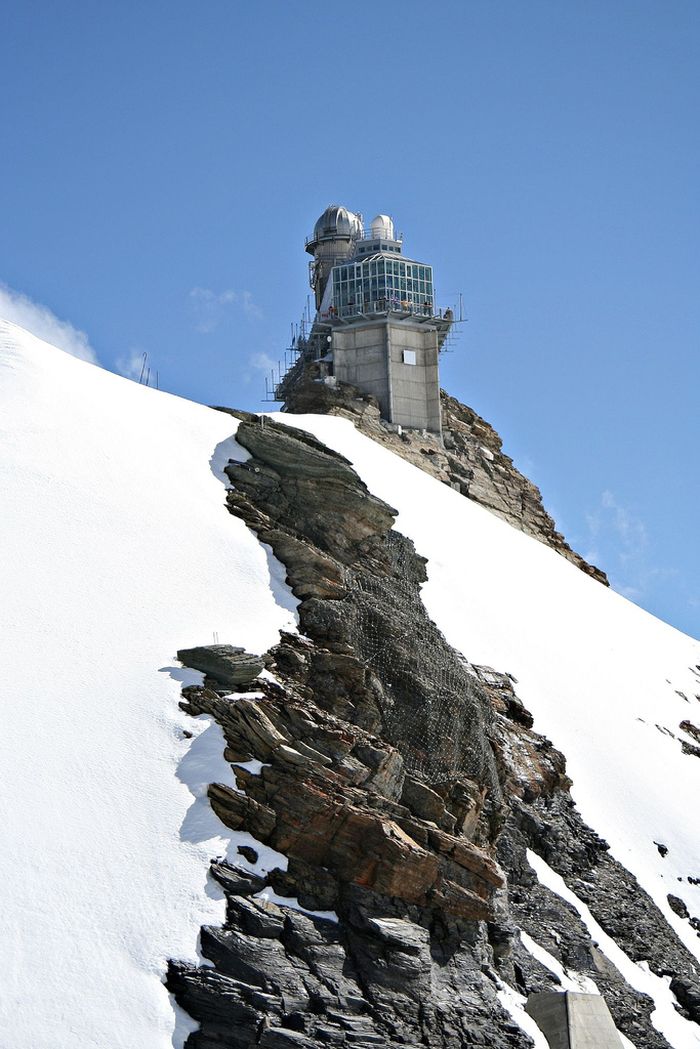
470 458
404 785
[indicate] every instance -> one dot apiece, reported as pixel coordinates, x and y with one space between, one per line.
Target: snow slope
608 683
115 550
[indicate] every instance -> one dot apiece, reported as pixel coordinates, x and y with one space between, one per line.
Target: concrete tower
376 325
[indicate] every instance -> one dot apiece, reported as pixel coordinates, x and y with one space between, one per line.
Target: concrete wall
415 388
574 1021
371 356
360 358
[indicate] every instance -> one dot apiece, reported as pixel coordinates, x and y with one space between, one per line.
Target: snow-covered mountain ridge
117 552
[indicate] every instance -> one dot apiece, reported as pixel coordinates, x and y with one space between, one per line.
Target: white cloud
209 307
42 322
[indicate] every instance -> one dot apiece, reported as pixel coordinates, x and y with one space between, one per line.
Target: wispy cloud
258 367
209 308
619 539
42 322
262 362
631 531
131 366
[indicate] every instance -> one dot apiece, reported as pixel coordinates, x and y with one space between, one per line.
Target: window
380 282
409 356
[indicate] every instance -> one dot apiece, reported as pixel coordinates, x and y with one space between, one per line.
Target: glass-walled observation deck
378 284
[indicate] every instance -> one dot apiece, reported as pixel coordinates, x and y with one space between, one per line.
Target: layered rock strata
404 786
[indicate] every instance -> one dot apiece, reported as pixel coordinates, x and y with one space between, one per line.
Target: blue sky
163 162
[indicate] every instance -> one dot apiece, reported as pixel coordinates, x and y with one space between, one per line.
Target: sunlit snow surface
608 683
115 550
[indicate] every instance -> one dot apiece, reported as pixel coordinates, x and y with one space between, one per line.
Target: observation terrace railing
384 305
366 234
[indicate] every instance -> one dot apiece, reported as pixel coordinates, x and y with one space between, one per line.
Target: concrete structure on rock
570 1020
376 325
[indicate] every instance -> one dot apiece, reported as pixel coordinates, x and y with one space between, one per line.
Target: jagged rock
283 1038
236 810
255 917
423 801
226 664
691 729
234 880
314 574
292 465
676 904
400 934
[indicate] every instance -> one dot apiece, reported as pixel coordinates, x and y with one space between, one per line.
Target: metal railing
365 234
368 235
385 305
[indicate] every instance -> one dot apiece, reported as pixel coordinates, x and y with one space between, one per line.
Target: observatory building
376 325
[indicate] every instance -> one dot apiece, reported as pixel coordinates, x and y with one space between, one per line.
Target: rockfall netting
434 709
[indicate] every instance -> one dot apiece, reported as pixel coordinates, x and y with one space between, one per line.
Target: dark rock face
405 786
471 459
225 663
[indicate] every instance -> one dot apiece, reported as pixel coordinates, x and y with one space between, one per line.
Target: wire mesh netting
433 708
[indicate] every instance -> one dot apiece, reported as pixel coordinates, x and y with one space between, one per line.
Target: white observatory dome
337 221
382 227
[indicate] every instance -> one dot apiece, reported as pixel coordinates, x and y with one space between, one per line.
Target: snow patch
270 896
253 766
268 859
514 1005
569 980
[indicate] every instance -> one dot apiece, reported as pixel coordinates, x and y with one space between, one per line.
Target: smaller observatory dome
382 227
337 221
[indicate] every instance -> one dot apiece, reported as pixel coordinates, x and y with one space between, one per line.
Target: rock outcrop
225 663
404 786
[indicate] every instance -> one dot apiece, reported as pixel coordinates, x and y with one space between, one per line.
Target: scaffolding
309 341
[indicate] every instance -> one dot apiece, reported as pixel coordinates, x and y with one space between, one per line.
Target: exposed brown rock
307 805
